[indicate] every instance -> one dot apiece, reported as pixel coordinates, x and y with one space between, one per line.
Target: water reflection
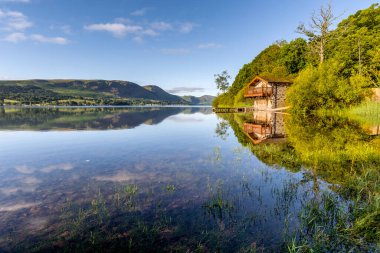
169 187
331 148
90 118
265 127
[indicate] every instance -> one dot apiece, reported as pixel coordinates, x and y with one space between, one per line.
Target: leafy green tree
294 55
264 62
322 88
222 82
358 46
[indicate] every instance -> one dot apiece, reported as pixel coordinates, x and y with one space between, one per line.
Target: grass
367 113
334 147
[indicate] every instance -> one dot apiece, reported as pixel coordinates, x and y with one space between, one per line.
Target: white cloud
15 37
116 29
66 29
16 1
150 32
140 12
122 27
138 39
177 90
209 46
53 40
123 20
187 27
14 21
175 51
161 26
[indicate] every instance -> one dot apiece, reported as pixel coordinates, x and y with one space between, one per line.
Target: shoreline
99 106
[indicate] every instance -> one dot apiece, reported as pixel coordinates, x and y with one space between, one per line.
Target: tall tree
222 82
319 30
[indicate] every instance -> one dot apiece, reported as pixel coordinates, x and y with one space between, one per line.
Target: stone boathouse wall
277 100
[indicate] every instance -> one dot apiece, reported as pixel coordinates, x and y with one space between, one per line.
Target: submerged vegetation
343 151
317 190
332 132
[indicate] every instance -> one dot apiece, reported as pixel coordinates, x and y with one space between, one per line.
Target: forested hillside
350 61
83 92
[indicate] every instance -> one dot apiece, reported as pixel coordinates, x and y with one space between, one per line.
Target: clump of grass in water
330 223
218 205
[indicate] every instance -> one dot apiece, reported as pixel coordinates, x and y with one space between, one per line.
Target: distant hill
203 100
163 95
83 92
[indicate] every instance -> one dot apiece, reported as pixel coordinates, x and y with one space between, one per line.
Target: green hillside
351 62
203 100
83 92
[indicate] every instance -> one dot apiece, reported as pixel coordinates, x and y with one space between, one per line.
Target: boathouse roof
267 80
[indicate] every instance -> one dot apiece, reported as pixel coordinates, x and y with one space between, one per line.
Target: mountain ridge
83 92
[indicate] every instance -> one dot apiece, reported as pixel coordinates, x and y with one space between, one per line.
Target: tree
321 87
319 31
358 46
293 55
222 82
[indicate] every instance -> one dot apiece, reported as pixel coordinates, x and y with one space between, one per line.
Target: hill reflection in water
88 118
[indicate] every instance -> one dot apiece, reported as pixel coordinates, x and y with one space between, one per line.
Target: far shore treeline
331 69
90 92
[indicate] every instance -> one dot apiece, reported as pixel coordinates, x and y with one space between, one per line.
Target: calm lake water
145 180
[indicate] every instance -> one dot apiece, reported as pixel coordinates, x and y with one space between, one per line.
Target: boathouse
267 93
265 127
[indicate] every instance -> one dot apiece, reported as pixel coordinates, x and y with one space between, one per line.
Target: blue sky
176 44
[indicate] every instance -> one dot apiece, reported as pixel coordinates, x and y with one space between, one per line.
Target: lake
167 179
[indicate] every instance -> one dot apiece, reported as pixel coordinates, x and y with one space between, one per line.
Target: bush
322 88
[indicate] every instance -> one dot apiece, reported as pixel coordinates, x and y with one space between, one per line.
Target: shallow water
140 180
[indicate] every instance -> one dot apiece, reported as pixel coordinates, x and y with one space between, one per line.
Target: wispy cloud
123 27
209 46
187 27
52 40
175 51
161 26
15 1
116 29
177 90
15 37
139 12
18 37
150 32
14 21
66 29
123 20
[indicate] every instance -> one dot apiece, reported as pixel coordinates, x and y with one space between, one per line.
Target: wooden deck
258 92
261 129
246 109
